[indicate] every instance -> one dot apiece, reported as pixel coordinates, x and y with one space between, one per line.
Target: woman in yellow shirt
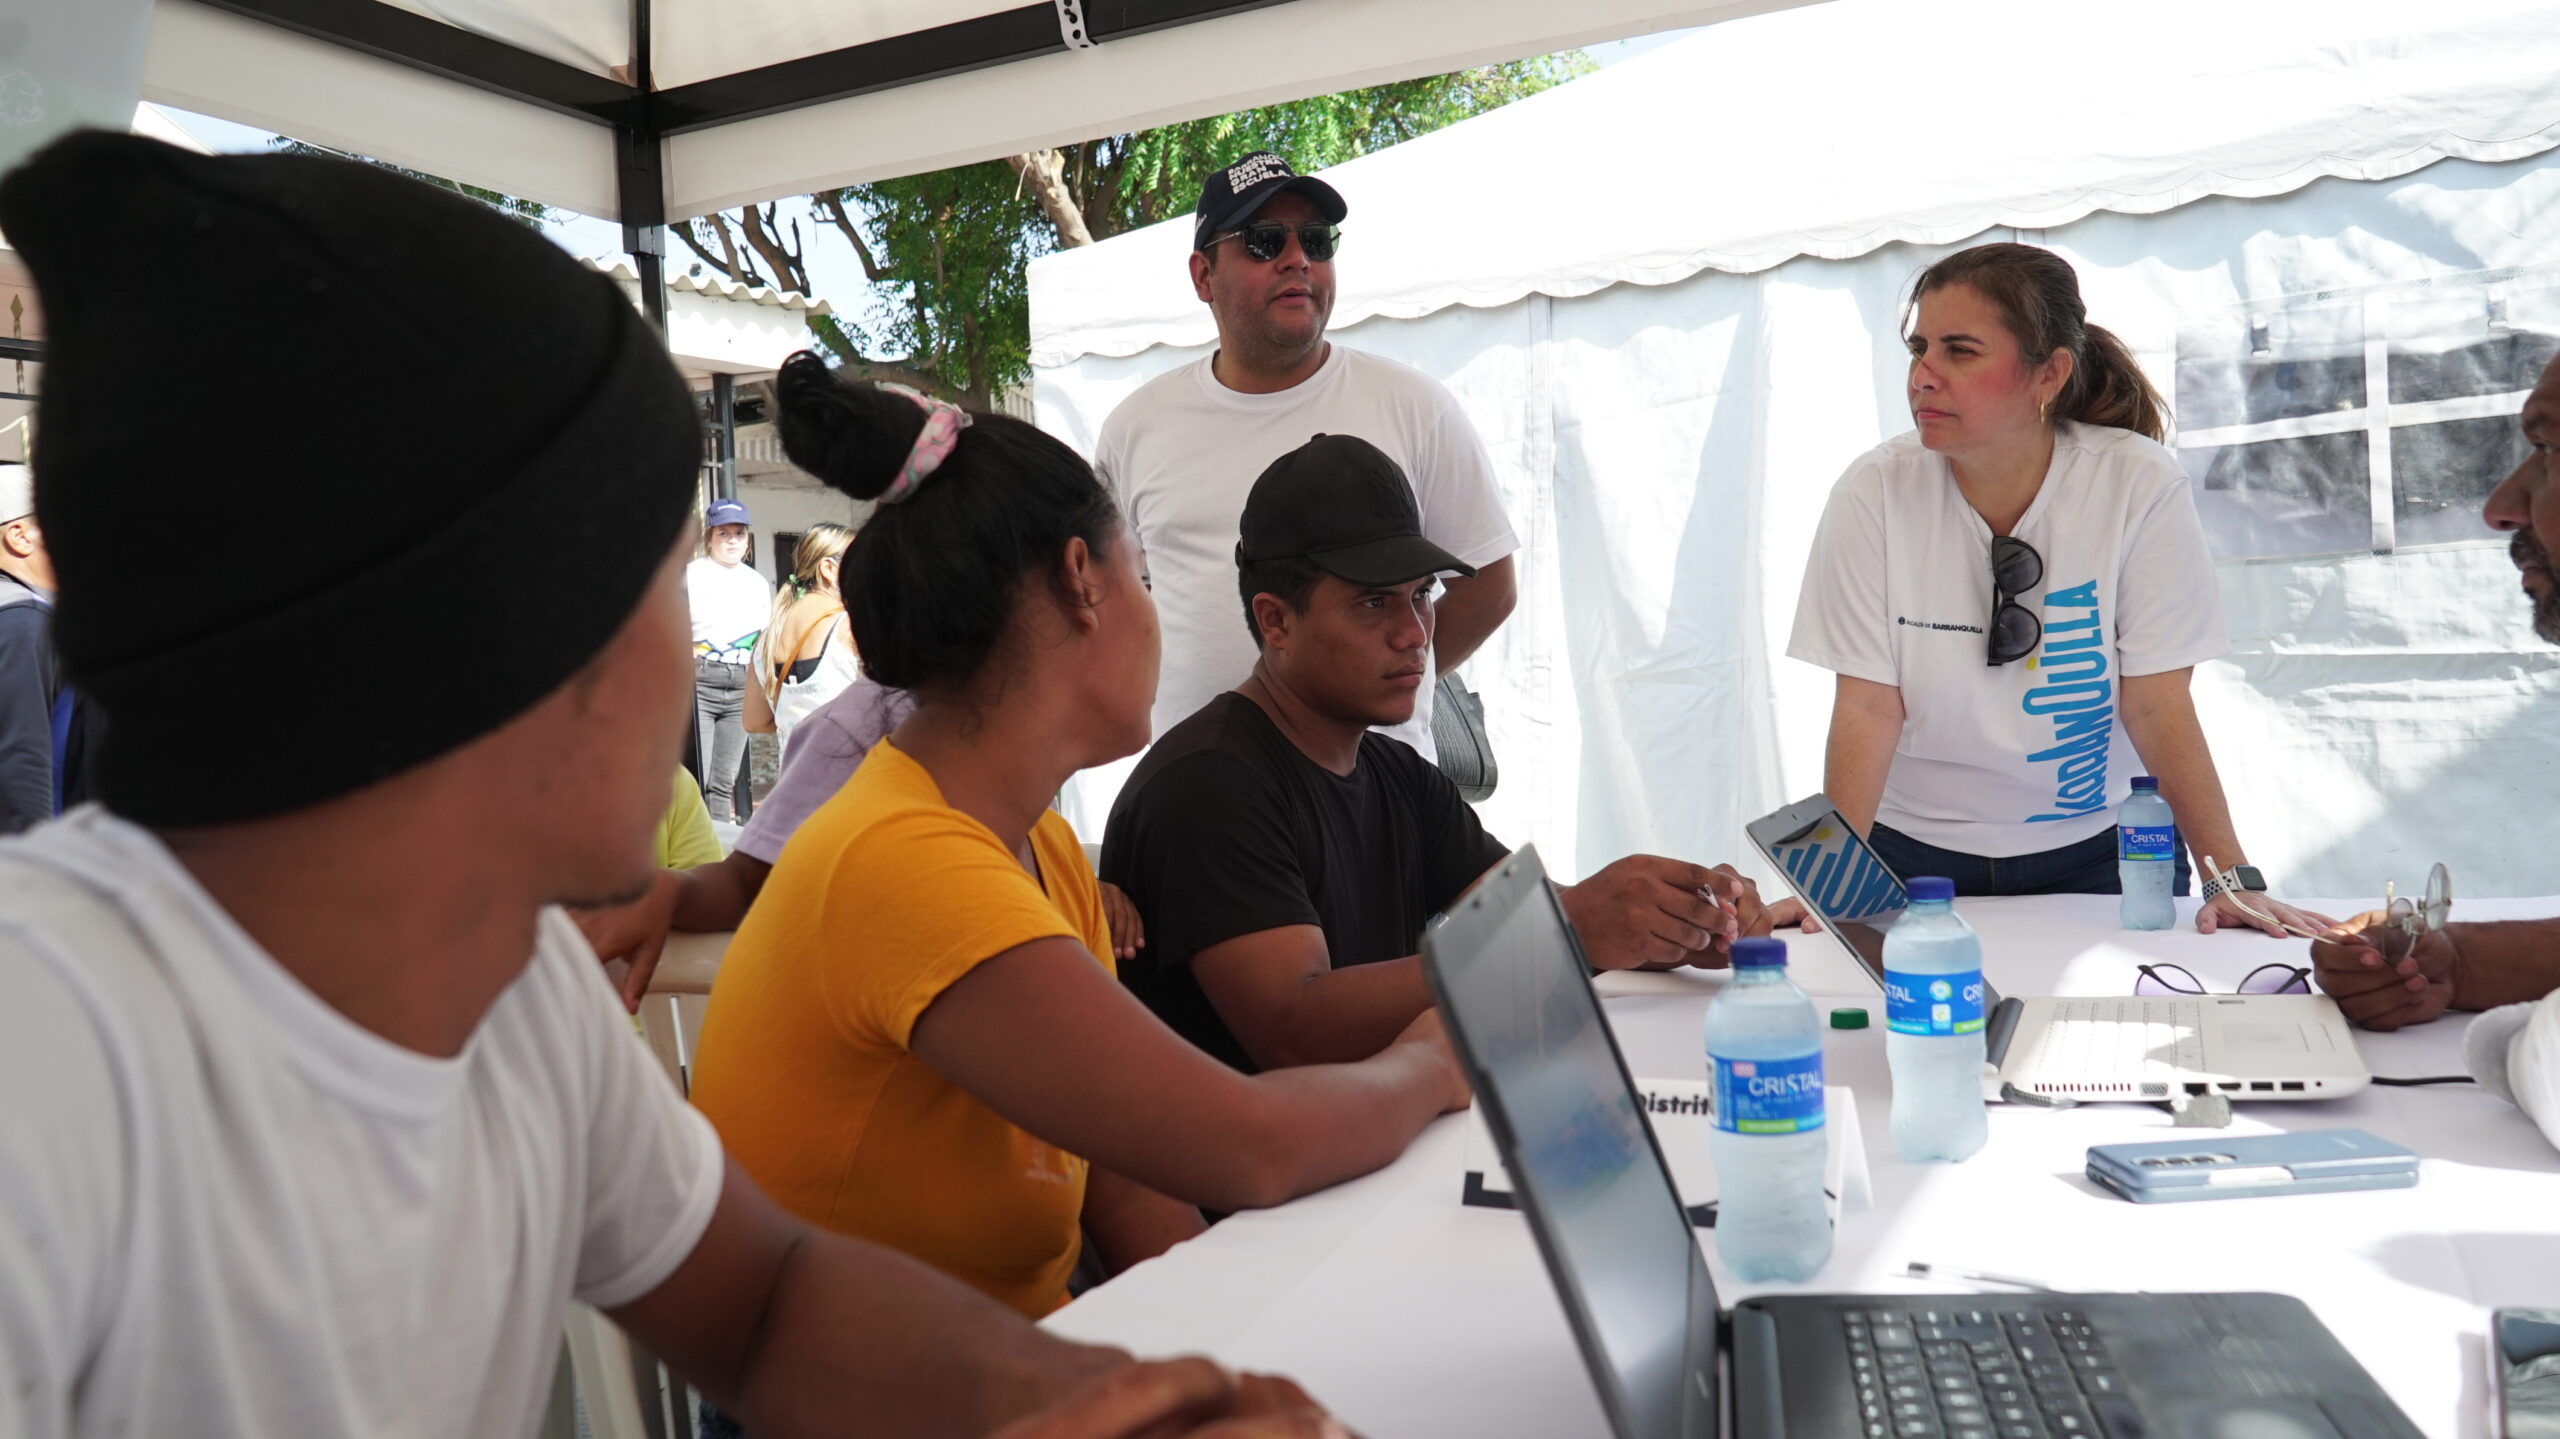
917 1037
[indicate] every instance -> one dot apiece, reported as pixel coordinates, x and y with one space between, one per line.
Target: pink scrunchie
943 422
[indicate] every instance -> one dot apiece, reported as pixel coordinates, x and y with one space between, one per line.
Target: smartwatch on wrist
2241 877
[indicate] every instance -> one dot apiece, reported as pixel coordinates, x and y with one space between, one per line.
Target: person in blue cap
729 602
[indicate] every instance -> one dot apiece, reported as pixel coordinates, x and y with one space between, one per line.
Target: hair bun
852 435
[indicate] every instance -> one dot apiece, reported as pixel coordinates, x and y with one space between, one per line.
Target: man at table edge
1286 854
288 1037
2509 968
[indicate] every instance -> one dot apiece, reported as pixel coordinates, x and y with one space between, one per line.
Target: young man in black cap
318 1110
1180 453
1286 855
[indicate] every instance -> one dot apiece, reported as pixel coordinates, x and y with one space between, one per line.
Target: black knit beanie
339 471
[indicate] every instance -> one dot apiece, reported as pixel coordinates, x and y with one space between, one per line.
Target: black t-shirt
1226 829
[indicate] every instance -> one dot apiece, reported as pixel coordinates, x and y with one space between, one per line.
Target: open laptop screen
1555 1094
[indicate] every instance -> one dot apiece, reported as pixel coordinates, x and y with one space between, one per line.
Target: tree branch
909 375
693 242
833 204
1044 173
755 223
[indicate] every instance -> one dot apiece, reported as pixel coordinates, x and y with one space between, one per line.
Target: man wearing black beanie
319 1111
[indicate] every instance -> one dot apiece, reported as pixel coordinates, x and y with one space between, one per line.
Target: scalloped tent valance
1833 130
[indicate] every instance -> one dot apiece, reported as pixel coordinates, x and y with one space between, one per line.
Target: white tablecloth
1412 1316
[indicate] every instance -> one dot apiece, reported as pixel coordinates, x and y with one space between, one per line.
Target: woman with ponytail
917 1036
2013 596
807 657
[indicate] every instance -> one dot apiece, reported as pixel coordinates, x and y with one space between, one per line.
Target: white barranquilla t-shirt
730 605
227 1211
2031 755
1180 455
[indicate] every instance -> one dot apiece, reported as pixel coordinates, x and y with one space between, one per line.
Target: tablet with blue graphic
1822 859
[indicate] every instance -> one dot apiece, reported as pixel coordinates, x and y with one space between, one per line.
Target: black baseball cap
1231 196
1340 503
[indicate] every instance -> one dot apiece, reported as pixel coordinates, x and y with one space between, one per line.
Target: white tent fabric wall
1666 452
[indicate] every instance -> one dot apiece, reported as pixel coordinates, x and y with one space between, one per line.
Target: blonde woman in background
809 654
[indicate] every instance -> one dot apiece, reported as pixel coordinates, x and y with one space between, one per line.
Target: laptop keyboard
2005 1373
2123 1038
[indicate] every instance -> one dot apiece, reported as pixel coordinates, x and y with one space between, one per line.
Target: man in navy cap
729 602
1182 451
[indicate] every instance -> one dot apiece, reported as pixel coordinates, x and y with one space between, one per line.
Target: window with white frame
2361 419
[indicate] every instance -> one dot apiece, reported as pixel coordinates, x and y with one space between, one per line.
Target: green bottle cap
1848 1019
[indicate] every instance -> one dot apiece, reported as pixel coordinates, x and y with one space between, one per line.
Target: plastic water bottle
1933 1027
1764 1058
2146 858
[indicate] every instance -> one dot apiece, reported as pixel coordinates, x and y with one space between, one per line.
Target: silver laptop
2245 1046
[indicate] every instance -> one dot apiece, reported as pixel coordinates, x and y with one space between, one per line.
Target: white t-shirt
2031 755
1180 455
2514 1051
730 604
227 1210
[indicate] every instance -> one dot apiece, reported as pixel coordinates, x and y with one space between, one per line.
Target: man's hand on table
2224 912
1428 1032
1190 1398
635 932
2378 978
1647 912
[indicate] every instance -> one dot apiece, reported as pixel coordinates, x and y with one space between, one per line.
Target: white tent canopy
753 99
1920 123
2323 227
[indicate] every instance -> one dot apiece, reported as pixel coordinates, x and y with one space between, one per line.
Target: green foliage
528 212
1127 181
950 248
947 250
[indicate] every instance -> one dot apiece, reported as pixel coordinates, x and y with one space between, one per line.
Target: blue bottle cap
2145 784
1930 886
1759 953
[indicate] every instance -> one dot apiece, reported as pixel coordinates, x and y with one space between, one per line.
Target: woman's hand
1128 931
2273 916
635 932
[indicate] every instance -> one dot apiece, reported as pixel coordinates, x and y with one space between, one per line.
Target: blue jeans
2088 867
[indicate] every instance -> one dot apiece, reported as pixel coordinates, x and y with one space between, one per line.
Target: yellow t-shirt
884 898
685 835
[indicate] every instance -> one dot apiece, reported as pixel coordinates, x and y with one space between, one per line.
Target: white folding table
1414 1317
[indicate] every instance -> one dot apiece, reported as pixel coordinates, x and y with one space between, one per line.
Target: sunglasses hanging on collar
2015 569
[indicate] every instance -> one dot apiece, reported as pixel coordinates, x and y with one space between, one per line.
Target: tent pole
640 179
724 435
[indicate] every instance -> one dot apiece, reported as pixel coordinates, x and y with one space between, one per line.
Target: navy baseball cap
1342 505
724 512
1231 196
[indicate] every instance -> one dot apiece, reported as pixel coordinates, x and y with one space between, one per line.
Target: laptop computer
1554 1090
2134 1047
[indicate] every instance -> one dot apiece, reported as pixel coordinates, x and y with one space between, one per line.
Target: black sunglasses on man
1267 240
